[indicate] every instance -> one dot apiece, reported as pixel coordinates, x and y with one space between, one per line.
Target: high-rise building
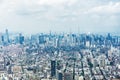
109 36
87 43
2 37
41 39
60 76
53 68
68 76
7 35
102 62
2 64
21 39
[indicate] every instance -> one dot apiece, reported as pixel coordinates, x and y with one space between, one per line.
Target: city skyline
59 40
60 16
59 57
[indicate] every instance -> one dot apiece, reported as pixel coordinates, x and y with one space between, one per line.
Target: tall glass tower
53 68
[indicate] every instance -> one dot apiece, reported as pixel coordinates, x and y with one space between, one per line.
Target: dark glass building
53 68
21 39
41 39
60 76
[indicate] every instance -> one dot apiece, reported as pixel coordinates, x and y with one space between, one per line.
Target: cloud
109 9
56 2
40 15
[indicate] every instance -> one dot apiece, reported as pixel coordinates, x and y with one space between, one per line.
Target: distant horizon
55 32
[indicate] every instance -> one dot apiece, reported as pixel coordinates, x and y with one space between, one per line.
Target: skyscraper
7 35
2 37
53 68
41 39
21 39
2 64
60 76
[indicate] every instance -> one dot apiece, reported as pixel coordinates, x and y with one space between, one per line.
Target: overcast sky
33 16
